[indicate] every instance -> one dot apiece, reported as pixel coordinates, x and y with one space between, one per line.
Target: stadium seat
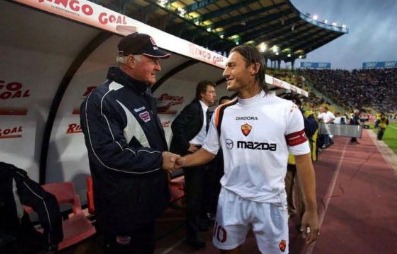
177 190
76 227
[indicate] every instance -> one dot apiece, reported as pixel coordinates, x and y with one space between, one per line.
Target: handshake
172 161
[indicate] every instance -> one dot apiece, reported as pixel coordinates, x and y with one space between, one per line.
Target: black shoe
195 242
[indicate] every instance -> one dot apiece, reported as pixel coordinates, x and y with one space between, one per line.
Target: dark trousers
194 189
381 132
212 183
296 204
327 140
289 188
139 241
26 241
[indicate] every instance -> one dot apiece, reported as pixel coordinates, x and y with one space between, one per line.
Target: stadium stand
375 89
221 25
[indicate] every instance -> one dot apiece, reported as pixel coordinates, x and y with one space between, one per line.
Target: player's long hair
252 56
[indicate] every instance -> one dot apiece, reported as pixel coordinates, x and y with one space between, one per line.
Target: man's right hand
169 160
180 162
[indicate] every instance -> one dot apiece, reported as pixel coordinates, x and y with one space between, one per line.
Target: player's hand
180 162
310 227
169 160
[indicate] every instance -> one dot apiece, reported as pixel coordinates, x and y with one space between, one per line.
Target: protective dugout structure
54 52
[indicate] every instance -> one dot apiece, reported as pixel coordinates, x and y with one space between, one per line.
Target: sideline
173 246
388 155
328 196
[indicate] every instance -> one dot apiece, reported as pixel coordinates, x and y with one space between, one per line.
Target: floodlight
162 2
182 12
262 47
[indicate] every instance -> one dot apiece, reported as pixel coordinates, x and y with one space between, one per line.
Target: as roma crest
246 129
282 245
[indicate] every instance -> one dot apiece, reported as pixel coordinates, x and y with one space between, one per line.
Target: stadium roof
219 25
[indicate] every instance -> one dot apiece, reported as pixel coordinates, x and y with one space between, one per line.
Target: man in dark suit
189 131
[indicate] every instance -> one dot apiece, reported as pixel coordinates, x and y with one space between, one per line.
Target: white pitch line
173 246
392 127
388 155
328 196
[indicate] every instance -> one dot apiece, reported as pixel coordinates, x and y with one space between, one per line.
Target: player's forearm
308 181
197 158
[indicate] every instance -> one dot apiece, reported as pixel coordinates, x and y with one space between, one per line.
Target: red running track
357 205
357 200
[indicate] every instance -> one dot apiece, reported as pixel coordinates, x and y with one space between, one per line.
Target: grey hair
123 59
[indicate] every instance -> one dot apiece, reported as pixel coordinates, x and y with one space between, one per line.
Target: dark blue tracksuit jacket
125 139
17 189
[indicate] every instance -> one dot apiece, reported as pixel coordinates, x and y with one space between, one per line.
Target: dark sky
372 31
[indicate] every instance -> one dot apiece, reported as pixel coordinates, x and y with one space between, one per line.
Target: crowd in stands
357 89
299 81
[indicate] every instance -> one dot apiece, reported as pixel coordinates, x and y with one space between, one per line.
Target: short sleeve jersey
327 117
256 136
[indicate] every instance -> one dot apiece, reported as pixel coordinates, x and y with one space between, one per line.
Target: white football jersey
256 136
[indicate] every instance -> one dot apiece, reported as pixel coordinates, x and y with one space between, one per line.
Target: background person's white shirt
199 138
337 120
327 117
